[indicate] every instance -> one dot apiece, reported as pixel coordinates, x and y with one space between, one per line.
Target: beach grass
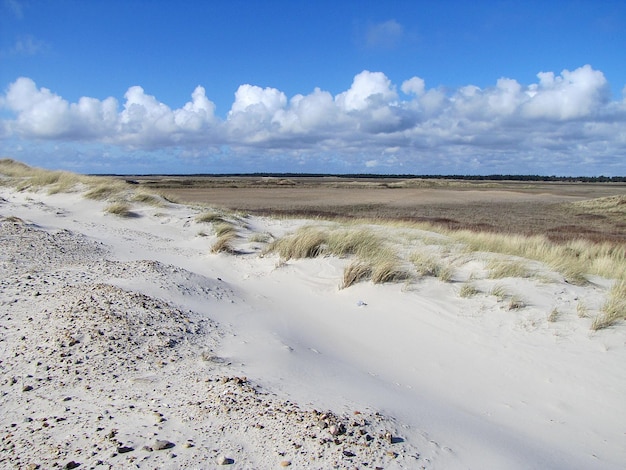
614 309
120 209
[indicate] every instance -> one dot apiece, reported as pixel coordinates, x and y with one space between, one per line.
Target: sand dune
126 343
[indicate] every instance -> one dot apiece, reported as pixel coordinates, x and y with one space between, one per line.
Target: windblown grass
224 228
121 209
575 260
310 242
24 177
500 268
429 265
147 198
468 290
614 309
355 272
105 190
210 217
224 243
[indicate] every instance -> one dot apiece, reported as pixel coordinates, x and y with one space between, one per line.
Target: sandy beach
126 343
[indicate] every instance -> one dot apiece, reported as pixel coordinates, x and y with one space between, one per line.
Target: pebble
222 460
161 444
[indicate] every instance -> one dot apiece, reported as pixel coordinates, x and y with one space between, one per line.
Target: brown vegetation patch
559 211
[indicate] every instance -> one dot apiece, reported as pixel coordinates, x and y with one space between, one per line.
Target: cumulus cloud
568 115
143 121
568 96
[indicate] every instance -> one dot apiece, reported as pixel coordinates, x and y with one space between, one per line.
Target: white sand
121 336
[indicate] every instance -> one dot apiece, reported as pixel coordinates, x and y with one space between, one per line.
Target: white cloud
368 90
385 35
571 95
415 86
569 115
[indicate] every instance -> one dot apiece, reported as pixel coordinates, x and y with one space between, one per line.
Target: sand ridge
100 376
124 342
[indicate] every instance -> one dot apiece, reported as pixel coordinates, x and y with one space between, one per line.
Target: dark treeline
565 179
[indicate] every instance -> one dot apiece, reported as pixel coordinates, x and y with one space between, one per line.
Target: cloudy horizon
564 122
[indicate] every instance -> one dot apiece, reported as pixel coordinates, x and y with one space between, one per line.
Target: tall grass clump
429 265
224 228
310 242
468 290
499 269
355 272
24 177
387 267
224 243
105 190
384 267
614 309
374 260
575 260
147 198
210 217
120 209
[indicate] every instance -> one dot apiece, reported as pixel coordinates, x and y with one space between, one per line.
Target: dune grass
120 209
429 265
355 272
502 268
468 290
24 177
614 309
554 315
147 198
210 217
373 259
224 243
575 260
105 190
377 258
224 228
310 242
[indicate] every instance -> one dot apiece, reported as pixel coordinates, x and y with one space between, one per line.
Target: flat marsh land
561 211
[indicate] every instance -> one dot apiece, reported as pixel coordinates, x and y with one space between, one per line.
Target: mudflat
552 209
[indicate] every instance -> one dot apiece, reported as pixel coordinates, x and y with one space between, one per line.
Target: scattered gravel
95 374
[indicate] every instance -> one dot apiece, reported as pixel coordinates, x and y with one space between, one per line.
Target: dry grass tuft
429 265
574 259
554 315
499 291
614 309
468 290
388 268
210 217
121 209
515 303
148 199
224 244
307 242
224 228
499 269
356 271
106 190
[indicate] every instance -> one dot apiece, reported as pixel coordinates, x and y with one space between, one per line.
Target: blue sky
410 87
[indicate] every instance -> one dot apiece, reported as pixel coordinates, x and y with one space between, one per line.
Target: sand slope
125 342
